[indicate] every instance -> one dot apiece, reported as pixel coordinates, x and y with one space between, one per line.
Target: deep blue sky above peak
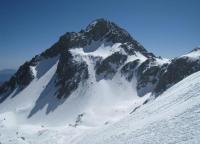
167 28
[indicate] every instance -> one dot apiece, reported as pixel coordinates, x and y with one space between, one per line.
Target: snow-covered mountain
92 85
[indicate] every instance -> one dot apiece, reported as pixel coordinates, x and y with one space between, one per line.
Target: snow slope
36 110
20 104
193 55
98 101
171 118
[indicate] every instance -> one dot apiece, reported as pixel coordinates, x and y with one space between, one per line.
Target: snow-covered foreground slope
171 118
174 117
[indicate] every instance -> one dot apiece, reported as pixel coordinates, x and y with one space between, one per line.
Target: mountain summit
98 33
110 49
92 79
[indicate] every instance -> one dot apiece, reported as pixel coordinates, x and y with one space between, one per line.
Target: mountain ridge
98 86
111 33
111 50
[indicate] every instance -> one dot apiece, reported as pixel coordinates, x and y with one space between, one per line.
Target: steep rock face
70 74
178 69
133 46
109 66
102 29
129 69
20 79
148 76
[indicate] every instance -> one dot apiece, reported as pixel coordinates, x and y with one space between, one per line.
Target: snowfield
35 115
173 117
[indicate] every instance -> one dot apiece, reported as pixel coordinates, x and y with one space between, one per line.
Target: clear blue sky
167 28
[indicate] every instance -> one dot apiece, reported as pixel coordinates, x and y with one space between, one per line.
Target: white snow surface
99 112
193 56
97 49
171 118
93 105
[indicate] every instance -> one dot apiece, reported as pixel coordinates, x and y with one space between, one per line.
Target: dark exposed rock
24 75
23 138
177 70
109 66
21 79
133 46
196 49
102 29
70 74
58 47
148 75
134 109
98 29
128 70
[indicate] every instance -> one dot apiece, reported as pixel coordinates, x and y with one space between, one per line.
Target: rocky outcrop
148 75
177 70
129 69
70 73
109 66
19 80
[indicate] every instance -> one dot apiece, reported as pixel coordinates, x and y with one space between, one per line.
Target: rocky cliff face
178 69
70 74
113 51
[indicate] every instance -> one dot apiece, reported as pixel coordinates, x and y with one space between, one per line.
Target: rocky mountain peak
98 23
103 29
99 33
100 30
